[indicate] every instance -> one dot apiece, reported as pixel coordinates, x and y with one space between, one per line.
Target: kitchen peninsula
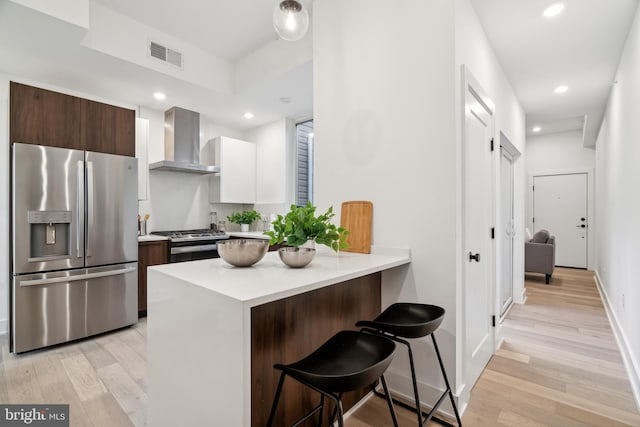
215 331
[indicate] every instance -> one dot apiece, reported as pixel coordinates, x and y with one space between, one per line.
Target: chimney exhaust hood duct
182 143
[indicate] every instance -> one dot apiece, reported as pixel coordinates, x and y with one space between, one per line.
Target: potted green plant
244 218
301 224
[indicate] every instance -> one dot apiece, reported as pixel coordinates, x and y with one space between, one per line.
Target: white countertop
151 238
248 234
270 279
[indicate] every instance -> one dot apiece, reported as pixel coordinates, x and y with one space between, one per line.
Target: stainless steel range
191 245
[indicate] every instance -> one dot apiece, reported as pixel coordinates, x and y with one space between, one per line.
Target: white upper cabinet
236 182
272 170
142 144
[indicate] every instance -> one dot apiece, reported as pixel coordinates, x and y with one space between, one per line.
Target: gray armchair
540 254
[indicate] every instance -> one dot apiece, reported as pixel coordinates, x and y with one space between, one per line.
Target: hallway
559 365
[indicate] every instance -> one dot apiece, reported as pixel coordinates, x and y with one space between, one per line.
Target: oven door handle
194 248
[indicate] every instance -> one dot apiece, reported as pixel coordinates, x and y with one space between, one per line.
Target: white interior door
478 248
560 206
507 229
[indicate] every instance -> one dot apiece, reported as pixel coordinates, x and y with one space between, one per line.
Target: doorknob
583 219
581 226
473 257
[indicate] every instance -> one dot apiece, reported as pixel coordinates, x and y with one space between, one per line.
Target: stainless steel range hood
182 143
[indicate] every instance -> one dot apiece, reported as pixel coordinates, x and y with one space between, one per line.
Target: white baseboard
401 386
523 297
355 407
630 362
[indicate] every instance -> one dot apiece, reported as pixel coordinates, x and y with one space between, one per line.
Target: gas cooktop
200 234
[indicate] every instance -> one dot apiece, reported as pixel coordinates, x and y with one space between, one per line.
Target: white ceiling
579 48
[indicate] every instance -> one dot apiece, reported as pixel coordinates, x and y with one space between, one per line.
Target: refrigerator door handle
80 209
90 207
78 277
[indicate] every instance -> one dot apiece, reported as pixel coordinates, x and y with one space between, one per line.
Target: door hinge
493 321
533 188
493 232
533 220
491 144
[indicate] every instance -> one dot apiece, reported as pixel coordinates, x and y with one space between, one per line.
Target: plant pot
310 244
244 228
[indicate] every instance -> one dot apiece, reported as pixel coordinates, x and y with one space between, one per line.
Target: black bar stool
347 361
412 320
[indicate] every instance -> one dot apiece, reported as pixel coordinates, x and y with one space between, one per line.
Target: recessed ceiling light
561 89
553 10
159 96
536 129
248 115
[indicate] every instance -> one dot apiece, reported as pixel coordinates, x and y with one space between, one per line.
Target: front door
560 206
477 243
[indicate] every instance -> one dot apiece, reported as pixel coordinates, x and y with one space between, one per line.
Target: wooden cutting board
357 217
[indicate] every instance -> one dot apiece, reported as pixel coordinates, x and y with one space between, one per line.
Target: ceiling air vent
165 54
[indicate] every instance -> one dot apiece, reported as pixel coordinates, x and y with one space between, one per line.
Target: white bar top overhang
270 279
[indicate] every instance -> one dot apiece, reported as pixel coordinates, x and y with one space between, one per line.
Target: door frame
515 154
590 205
462 387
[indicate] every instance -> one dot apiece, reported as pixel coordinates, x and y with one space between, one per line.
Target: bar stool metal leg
389 401
446 380
423 417
272 414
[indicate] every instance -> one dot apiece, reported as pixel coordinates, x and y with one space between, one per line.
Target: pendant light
291 20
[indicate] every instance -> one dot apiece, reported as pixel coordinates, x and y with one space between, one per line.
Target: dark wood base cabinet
149 253
286 330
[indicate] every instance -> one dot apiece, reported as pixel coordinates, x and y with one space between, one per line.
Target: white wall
562 152
618 205
385 132
476 54
556 151
386 125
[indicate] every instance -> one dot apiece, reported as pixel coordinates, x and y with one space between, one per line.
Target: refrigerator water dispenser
50 234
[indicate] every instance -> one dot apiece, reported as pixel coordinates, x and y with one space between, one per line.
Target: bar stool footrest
308 415
427 416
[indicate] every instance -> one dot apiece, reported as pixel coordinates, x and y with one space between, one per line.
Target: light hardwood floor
102 379
558 366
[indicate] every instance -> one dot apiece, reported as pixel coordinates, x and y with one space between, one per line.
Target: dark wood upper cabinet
43 117
108 129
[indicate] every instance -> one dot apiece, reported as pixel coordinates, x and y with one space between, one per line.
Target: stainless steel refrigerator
74 244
